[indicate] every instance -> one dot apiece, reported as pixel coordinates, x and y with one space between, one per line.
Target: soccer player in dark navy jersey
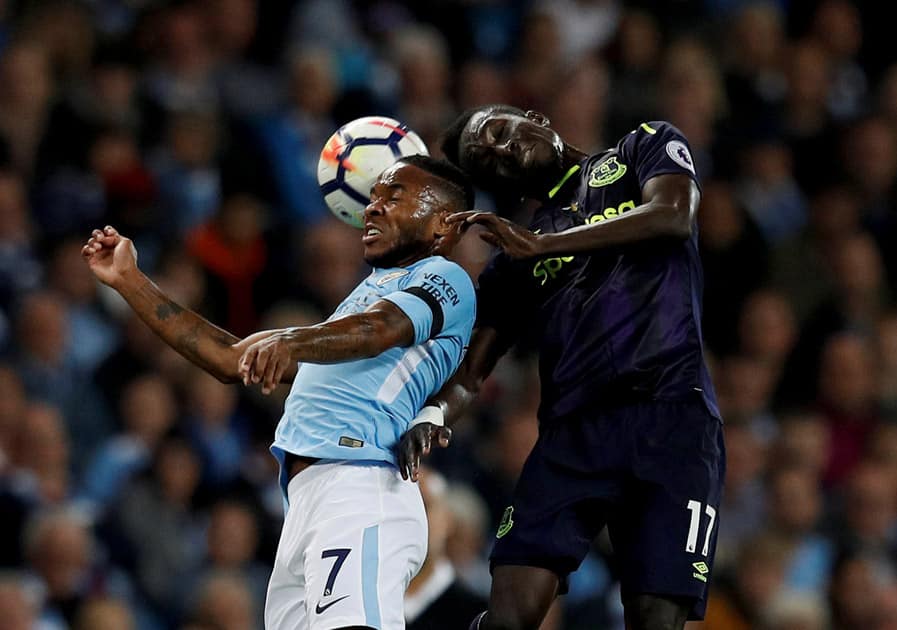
630 434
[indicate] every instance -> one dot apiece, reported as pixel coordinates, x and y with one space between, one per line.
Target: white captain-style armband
433 414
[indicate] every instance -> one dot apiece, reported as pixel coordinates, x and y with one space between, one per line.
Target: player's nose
373 209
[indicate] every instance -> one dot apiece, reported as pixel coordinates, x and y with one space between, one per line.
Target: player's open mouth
371 234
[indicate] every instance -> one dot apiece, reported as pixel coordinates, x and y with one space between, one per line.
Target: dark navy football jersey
616 324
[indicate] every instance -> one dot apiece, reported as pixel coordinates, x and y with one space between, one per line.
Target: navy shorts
652 472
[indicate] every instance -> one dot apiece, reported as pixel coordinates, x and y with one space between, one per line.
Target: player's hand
515 240
266 361
416 443
110 256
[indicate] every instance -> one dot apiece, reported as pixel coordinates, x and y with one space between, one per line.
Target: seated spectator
104 613
435 598
148 410
224 602
795 509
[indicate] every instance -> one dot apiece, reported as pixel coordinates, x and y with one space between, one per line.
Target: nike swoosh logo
319 609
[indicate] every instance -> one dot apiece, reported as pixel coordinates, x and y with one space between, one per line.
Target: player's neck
568 166
572 155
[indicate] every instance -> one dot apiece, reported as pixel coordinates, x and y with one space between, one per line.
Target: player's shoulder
436 264
658 144
438 269
653 131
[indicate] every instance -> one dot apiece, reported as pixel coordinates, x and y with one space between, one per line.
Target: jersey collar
573 169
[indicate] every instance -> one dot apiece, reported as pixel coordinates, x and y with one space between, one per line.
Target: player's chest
371 290
607 189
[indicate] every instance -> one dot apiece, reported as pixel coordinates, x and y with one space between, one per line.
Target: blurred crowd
137 493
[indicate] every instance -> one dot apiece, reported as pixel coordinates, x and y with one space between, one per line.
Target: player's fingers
408 456
110 231
415 465
482 218
403 460
404 454
246 363
257 369
412 467
278 374
490 238
460 216
268 374
271 374
425 442
444 436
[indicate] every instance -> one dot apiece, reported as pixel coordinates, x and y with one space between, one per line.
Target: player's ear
538 117
447 234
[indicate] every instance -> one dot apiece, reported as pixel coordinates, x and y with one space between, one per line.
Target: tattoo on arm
169 308
188 344
195 338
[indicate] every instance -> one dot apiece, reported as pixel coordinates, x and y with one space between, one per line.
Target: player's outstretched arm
668 209
357 336
113 260
433 424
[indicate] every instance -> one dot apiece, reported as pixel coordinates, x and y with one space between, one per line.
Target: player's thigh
369 540
664 531
545 533
654 612
520 597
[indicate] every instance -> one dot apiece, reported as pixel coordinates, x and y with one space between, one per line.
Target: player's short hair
458 184
451 137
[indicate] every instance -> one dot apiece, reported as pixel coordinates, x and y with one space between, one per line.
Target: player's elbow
379 334
678 221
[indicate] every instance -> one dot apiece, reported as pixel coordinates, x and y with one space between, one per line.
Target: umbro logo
701 571
319 609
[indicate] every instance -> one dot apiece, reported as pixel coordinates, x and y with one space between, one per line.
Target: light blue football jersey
358 410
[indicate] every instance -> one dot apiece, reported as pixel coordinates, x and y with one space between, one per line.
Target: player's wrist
543 244
129 279
430 414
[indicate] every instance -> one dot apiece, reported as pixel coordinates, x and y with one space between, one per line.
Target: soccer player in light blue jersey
354 535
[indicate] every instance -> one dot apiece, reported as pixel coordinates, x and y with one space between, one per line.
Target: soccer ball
353 159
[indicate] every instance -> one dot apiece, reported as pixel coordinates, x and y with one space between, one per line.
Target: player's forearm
455 398
648 221
357 336
195 338
486 348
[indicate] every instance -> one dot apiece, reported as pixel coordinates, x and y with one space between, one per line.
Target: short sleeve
439 299
657 148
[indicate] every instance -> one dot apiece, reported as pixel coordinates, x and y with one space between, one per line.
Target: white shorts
353 537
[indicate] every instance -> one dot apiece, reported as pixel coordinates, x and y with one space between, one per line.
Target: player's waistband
560 413
295 464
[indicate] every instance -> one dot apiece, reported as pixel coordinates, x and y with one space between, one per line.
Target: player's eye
501 132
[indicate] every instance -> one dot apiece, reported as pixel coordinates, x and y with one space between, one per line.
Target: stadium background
136 492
